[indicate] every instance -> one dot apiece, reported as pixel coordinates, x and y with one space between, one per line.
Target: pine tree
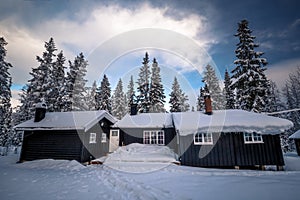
131 98
119 103
249 81
75 90
103 95
156 94
210 78
143 89
5 96
178 99
229 96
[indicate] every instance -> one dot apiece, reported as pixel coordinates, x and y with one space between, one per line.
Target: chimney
40 111
207 103
133 109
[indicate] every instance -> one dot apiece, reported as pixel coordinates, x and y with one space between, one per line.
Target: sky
184 36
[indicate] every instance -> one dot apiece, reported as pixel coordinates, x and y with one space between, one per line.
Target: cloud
279 72
102 23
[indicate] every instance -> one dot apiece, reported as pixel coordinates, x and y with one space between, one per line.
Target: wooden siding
229 150
297 143
135 135
98 149
65 144
51 144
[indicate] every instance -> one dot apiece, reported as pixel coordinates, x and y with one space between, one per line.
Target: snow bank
292 161
296 135
229 121
140 158
53 164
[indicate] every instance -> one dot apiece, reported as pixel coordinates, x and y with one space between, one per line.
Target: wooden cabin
147 128
80 136
229 138
296 138
220 139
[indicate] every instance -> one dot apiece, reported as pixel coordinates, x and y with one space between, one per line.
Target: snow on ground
60 179
138 158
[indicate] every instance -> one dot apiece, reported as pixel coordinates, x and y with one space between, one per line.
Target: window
252 138
103 138
154 137
203 138
93 138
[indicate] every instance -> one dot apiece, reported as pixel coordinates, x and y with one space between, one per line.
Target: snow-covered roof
146 120
296 135
229 121
80 120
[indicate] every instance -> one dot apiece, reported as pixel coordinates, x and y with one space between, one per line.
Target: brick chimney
40 111
207 104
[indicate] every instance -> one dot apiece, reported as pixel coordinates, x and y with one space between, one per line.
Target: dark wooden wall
98 149
51 144
229 150
135 135
297 143
65 144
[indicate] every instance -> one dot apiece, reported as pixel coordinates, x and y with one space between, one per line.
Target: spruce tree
178 99
143 88
91 96
119 103
58 89
200 100
75 91
210 78
131 98
229 96
43 75
5 96
249 81
156 94
103 95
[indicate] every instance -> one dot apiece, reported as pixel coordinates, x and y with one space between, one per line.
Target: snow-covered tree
5 96
210 78
91 96
119 103
42 76
178 99
130 95
75 86
58 90
229 95
249 81
200 100
103 95
156 94
143 88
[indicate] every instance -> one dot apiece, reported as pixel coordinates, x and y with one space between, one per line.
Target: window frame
203 139
103 137
256 138
154 137
93 138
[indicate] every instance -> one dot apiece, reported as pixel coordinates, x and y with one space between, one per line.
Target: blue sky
207 26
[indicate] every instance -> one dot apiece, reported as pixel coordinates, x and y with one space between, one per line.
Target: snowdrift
139 158
53 164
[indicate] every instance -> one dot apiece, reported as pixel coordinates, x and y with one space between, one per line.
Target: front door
114 140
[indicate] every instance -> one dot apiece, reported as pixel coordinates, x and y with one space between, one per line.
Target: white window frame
103 138
93 138
154 137
203 139
253 138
